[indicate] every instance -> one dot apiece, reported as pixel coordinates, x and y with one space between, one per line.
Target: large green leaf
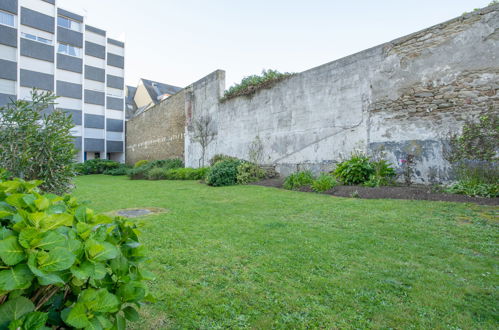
56 220
132 291
29 236
43 277
55 260
51 240
42 203
4 233
100 251
131 314
83 271
35 321
16 278
11 252
14 309
100 301
77 316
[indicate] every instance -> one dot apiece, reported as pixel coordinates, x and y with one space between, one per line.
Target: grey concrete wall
8 70
37 50
69 63
37 20
95 50
8 36
399 97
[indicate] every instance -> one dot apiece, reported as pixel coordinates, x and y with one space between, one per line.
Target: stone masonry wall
157 133
401 97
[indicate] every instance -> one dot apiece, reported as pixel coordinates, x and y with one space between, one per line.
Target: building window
69 50
36 38
69 24
7 19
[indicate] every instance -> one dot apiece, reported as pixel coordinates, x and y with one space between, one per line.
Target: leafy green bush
355 170
96 166
298 180
63 266
249 85
223 173
220 157
157 173
323 183
140 163
141 172
383 174
187 173
474 189
121 170
249 172
34 145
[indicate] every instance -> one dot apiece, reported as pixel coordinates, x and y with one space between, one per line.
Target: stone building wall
401 97
157 133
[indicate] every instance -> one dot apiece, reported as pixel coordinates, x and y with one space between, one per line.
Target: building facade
52 49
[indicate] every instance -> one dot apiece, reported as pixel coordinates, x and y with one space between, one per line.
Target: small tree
37 146
204 134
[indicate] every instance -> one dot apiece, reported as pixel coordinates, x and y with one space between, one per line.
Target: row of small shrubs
306 179
177 174
100 166
63 266
142 168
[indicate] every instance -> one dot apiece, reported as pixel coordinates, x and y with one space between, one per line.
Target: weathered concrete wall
401 96
157 133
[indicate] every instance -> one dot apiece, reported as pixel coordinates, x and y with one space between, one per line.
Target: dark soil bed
395 192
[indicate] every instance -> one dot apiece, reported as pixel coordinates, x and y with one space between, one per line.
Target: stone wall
401 97
157 133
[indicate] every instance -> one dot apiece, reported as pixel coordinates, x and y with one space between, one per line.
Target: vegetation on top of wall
64 266
249 85
35 145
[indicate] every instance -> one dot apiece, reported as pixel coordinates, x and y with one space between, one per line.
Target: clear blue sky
181 41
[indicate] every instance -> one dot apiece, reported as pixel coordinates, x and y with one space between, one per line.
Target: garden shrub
223 173
96 166
298 180
121 170
141 172
34 145
355 170
474 156
140 163
249 172
383 174
187 173
323 183
474 189
220 157
157 173
62 266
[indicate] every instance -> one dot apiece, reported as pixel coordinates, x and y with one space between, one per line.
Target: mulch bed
392 192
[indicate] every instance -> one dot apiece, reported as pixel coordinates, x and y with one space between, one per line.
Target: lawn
256 257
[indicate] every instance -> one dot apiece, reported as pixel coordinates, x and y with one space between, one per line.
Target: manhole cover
133 213
136 212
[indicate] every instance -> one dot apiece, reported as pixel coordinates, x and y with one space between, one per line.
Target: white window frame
71 22
13 19
68 46
36 38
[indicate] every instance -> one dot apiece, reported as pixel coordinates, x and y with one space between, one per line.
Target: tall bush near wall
34 145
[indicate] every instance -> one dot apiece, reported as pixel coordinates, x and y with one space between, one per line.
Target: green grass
255 257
